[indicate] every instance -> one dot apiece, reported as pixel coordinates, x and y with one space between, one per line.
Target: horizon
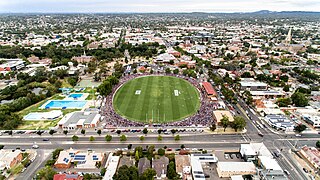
156 6
243 12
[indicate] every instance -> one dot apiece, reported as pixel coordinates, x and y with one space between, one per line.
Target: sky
90 6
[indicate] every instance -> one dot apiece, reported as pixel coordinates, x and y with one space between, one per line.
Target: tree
213 127
141 138
173 131
160 131
150 152
91 138
159 138
51 132
161 152
300 128
103 171
299 99
99 132
177 138
10 132
108 138
284 102
168 71
65 132
75 138
145 131
39 133
56 153
46 173
148 174
83 131
129 146
286 88
175 71
239 123
318 144
1 147
224 122
123 137
171 172
118 131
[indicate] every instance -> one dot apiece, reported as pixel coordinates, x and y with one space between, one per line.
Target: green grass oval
161 99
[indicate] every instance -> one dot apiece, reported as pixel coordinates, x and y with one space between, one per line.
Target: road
278 142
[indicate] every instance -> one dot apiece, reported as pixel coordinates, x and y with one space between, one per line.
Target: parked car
45 139
287 172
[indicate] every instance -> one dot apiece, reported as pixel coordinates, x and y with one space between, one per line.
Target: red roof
67 177
209 89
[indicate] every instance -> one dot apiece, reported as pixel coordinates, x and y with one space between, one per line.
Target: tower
289 37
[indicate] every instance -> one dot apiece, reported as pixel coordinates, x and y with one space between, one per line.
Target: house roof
144 163
160 165
209 89
236 166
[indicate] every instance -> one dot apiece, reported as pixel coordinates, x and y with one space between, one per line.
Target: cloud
156 5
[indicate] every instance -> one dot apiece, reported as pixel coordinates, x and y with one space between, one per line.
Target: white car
35 146
298 135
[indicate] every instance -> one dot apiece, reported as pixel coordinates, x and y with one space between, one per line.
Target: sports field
156 99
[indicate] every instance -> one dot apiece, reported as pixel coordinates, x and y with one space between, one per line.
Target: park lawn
157 101
92 93
65 83
38 125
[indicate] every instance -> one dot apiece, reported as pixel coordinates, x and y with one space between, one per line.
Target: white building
228 169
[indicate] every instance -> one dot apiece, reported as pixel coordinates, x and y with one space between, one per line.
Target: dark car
305 170
260 134
45 139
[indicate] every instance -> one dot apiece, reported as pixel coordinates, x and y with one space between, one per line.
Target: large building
312 155
252 85
271 170
211 93
80 119
228 169
279 122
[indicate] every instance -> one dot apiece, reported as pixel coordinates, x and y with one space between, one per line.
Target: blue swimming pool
34 116
65 104
75 95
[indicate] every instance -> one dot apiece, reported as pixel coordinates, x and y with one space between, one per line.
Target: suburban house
160 166
9 158
65 176
144 164
81 159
